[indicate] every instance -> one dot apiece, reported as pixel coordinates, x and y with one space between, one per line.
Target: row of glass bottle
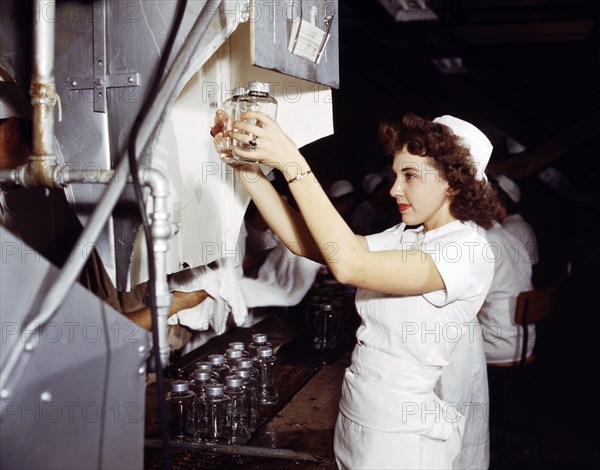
255 96
221 399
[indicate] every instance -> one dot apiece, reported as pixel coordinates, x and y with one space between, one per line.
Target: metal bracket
101 81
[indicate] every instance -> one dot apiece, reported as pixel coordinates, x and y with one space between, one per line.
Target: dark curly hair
473 200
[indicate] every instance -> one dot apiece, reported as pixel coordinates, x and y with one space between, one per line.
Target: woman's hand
269 144
220 123
222 135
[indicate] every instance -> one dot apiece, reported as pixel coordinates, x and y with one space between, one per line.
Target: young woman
417 286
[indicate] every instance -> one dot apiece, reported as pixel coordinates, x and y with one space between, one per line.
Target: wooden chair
532 307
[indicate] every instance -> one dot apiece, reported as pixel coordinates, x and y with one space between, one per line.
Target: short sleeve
378 241
462 264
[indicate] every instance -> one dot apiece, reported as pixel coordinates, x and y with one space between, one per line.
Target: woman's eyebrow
411 168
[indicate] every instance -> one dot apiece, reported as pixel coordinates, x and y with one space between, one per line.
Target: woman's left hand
270 145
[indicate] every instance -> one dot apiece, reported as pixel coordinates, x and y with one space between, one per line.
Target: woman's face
420 191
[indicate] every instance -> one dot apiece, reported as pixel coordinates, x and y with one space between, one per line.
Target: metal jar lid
243 373
244 363
264 351
234 381
263 87
260 338
237 345
216 359
203 365
180 385
238 91
202 374
234 353
214 390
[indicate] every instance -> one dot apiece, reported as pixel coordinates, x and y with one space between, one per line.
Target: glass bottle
326 327
261 92
310 308
239 345
180 405
265 363
215 411
251 388
200 366
202 378
230 106
257 98
219 367
231 356
258 340
237 410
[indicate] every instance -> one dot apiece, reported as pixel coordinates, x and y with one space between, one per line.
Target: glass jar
238 411
231 355
230 106
265 363
180 406
250 378
215 414
258 340
220 368
257 98
202 378
239 345
326 327
200 366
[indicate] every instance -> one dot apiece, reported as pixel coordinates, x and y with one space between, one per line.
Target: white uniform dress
519 228
390 416
503 338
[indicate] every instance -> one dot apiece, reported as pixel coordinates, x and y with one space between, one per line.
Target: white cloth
464 384
283 279
403 343
503 338
519 228
225 297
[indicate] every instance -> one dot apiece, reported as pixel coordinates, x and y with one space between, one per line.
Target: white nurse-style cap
509 187
340 188
472 138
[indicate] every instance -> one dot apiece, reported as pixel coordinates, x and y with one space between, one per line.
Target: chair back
533 306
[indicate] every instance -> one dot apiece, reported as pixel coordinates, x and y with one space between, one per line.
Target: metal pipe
43 93
53 297
66 176
161 234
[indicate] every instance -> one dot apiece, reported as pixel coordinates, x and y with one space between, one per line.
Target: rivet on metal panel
29 347
46 396
4 393
142 349
142 370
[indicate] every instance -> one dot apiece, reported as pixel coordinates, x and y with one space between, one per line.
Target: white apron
464 385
